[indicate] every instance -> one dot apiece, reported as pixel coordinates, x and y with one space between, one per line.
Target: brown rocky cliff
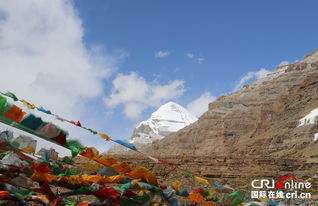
250 134
259 119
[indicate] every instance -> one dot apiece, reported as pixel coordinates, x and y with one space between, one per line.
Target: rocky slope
233 170
265 130
260 119
169 118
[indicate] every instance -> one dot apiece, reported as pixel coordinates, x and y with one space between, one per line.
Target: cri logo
261 183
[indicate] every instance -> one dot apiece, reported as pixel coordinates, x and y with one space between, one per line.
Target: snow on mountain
311 118
169 118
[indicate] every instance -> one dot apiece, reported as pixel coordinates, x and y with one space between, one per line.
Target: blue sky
111 63
233 37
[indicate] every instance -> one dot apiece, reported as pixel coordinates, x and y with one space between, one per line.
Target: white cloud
200 60
162 54
44 60
43 57
283 63
190 55
200 105
257 75
136 94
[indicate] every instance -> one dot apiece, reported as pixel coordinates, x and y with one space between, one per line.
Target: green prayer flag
56 170
90 130
206 193
75 146
69 203
11 95
67 160
13 143
238 197
24 195
3 104
185 172
143 198
124 187
83 190
3 154
68 172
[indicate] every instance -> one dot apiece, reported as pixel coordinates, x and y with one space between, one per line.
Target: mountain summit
169 118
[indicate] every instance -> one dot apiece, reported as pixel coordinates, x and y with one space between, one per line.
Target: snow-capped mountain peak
169 118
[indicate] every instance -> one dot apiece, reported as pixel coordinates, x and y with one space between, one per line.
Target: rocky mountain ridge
263 131
260 119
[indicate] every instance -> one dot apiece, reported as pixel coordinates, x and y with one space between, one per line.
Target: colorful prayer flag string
104 136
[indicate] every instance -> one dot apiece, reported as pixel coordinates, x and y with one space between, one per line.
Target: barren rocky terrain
251 133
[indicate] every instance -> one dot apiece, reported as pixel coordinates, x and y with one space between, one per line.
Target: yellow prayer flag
176 185
137 182
28 104
202 180
43 197
104 136
213 193
29 149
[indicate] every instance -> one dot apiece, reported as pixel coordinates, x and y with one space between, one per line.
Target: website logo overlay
287 187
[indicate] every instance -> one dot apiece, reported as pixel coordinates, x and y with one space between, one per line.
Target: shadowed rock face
260 119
